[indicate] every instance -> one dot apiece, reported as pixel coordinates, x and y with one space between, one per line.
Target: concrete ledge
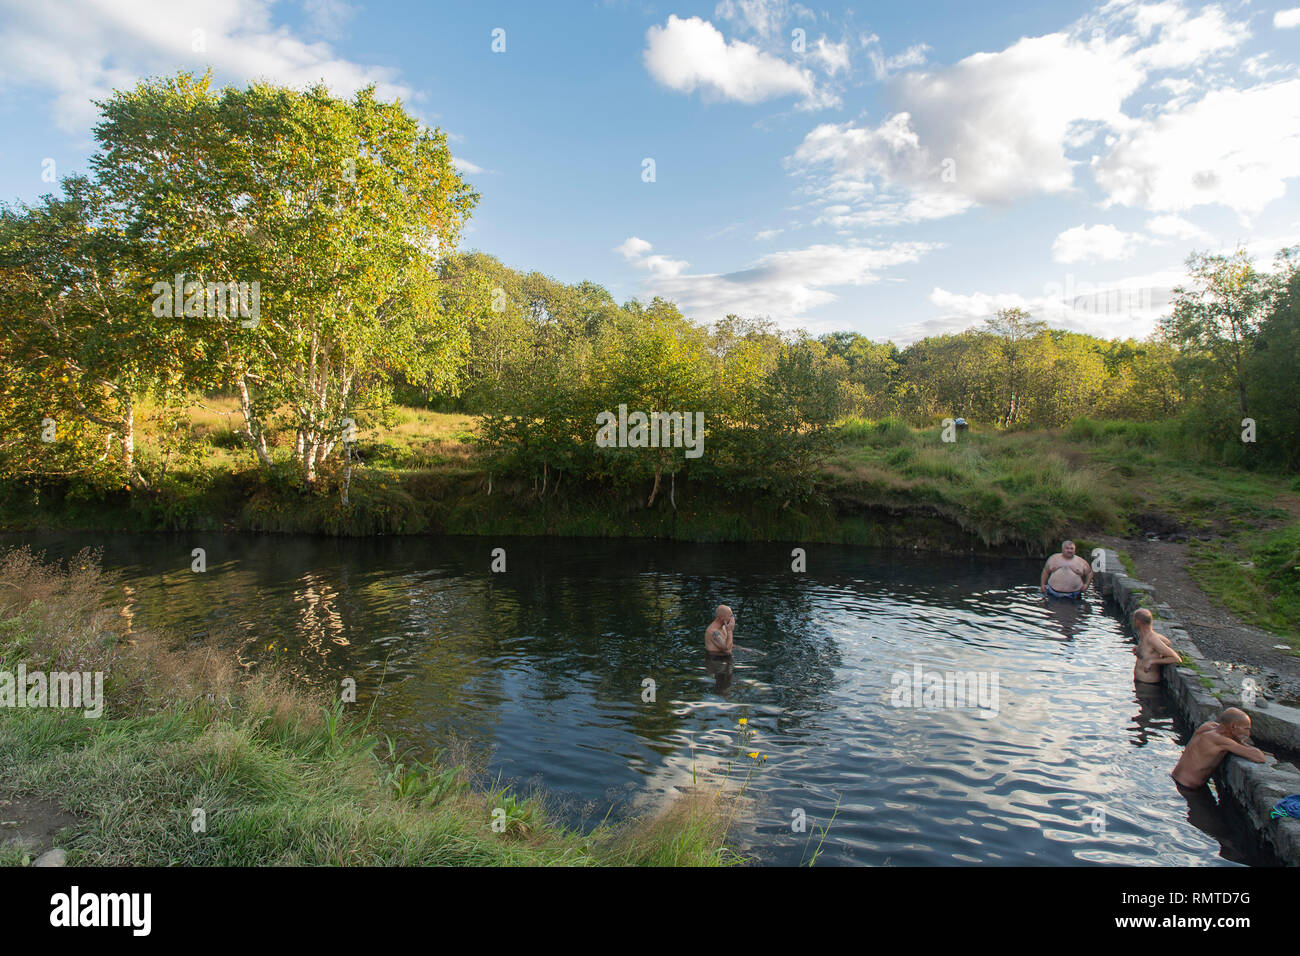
1257 787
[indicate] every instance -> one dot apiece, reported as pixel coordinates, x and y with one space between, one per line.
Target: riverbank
195 763
1201 689
1220 633
886 485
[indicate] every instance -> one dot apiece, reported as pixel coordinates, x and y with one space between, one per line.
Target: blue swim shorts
1068 595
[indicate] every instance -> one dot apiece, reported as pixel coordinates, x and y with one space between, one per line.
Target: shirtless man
1210 744
1065 575
1153 650
718 635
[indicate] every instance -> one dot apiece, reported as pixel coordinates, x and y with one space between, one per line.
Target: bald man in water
1153 650
718 639
1210 744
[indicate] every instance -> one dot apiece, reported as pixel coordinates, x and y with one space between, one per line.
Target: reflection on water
546 668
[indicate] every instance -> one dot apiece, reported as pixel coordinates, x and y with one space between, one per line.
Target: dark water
542 667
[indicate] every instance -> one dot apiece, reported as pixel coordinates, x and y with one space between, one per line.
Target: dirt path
32 822
1215 630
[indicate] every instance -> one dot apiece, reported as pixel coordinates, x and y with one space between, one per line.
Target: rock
55 857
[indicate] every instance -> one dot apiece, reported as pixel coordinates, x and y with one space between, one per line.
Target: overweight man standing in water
1065 575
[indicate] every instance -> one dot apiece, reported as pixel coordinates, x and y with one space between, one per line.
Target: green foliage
1272 367
768 403
338 211
77 352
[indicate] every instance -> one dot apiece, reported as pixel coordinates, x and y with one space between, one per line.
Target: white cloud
885 66
1286 19
990 129
329 17
1010 123
763 17
465 166
726 230
1176 85
634 251
1233 147
832 56
783 285
766 234
1124 307
1110 308
81 52
1093 244
633 248
1257 67
911 178
977 305
1181 39
1005 118
1176 227
690 55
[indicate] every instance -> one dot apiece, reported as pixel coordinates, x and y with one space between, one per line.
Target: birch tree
334 212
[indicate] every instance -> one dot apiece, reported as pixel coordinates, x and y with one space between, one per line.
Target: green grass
277 794
1256 577
1022 488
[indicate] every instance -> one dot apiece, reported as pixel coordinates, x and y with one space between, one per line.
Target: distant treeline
545 357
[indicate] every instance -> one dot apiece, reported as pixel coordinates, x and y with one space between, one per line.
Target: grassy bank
1256 576
886 484
281 777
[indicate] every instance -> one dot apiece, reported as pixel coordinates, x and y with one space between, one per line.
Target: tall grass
1027 488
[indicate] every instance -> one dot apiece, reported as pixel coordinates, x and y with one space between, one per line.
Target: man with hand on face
718 639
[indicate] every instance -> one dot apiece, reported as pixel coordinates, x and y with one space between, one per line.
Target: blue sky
897 169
